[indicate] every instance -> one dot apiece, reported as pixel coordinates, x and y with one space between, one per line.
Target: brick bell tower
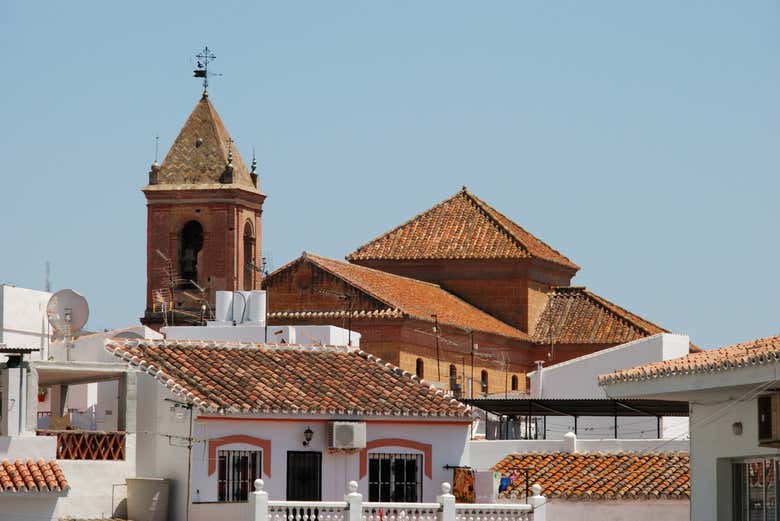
204 223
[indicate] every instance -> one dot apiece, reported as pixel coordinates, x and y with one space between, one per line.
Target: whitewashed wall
447 441
168 459
578 378
28 506
714 444
638 510
23 321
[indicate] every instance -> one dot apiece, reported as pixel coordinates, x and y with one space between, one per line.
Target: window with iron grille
238 470
395 477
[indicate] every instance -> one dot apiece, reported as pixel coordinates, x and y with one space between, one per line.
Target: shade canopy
580 407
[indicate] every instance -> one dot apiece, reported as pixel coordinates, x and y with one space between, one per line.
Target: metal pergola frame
577 407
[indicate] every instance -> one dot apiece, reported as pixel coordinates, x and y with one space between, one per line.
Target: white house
31 481
214 416
734 458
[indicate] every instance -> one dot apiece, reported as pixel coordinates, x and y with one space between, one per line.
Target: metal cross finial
202 69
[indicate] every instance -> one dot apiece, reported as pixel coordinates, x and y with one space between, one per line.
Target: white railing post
354 501
258 503
538 502
447 502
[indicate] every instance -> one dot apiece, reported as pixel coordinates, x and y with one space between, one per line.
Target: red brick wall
505 299
300 289
512 290
222 215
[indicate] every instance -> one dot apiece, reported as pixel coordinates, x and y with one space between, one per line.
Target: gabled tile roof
597 476
729 358
31 476
405 296
199 154
574 315
227 377
461 227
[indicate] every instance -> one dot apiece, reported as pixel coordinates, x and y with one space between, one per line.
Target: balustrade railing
400 512
493 512
306 510
354 509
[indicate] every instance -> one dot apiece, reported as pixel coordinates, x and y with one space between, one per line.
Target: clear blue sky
639 138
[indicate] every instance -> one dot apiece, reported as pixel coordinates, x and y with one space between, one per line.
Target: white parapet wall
29 447
619 510
306 335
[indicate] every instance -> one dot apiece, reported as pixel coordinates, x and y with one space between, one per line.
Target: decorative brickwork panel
88 445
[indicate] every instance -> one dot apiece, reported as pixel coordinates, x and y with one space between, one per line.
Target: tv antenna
204 57
67 312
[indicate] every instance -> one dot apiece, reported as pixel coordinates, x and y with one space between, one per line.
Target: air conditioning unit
346 435
769 420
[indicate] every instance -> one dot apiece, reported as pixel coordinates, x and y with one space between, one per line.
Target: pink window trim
215 443
425 448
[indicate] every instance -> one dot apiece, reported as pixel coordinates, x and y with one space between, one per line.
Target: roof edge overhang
692 382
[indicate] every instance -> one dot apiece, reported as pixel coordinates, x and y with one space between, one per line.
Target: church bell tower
204 223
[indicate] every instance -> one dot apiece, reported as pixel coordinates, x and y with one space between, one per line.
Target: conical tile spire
202 152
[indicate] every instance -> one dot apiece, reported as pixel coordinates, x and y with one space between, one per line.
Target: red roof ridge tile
409 221
583 476
576 315
466 311
492 212
175 365
645 325
753 352
31 476
414 377
316 257
527 244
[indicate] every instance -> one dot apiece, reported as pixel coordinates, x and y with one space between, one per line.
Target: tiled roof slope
597 476
31 476
228 377
729 358
199 154
461 227
411 297
574 315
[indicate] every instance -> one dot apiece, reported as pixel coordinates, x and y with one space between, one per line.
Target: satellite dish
67 312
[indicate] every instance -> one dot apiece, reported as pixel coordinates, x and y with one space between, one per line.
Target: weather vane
202 69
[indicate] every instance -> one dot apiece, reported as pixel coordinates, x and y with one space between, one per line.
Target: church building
459 295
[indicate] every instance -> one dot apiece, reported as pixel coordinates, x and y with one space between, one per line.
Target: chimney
539 371
570 443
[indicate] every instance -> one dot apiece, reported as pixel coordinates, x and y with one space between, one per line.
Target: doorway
304 476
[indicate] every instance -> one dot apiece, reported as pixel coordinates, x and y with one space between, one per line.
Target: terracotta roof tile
729 358
200 152
410 297
229 377
461 227
31 476
597 476
574 315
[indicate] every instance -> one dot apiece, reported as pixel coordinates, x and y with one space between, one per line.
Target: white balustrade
354 509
